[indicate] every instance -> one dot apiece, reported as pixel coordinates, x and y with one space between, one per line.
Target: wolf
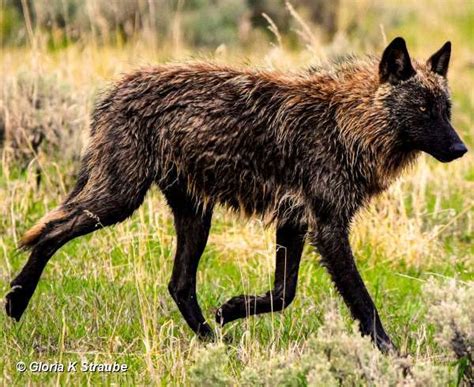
304 151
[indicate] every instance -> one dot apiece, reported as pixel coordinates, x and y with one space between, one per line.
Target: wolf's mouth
447 157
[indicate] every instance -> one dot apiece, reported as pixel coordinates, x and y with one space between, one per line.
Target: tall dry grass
105 296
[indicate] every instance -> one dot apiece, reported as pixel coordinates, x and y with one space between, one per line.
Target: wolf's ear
439 61
395 65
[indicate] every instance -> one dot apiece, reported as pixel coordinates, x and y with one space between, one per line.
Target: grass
103 297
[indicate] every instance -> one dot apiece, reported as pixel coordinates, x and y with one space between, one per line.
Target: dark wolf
305 151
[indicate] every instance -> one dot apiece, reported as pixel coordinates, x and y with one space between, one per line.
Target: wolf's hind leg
78 215
63 226
192 225
290 242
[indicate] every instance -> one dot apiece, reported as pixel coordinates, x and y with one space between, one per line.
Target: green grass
104 298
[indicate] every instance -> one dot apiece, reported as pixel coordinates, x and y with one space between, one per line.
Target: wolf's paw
385 345
205 333
17 301
231 310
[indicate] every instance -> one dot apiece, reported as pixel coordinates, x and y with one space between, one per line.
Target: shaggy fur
303 150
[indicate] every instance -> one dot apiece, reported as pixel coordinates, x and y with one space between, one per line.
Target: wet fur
259 142
305 151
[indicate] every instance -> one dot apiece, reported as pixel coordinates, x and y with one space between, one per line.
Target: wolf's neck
390 165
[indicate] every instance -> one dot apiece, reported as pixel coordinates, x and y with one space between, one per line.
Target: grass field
103 298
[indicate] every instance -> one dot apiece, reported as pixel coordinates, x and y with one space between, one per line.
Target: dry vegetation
104 297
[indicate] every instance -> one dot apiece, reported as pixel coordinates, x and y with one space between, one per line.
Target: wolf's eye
422 109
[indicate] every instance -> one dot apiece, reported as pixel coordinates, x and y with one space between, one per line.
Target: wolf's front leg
332 241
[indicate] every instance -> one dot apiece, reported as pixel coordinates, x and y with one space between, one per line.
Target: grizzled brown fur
303 150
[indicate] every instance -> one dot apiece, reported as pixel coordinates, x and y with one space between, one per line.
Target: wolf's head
419 102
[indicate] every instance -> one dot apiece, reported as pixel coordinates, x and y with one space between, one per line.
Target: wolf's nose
458 149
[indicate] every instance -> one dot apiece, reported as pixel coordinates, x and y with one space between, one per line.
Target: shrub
336 355
40 115
452 314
